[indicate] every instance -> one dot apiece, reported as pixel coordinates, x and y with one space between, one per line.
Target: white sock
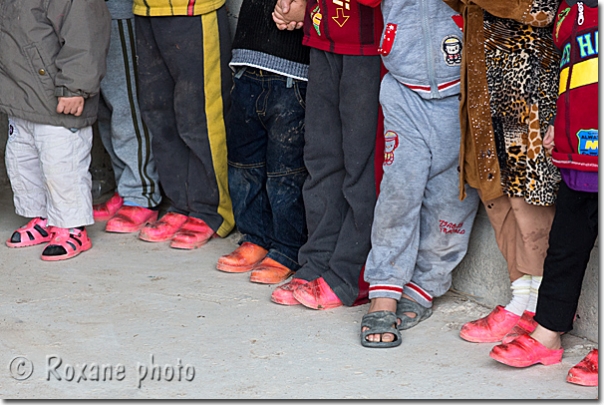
521 290
532 302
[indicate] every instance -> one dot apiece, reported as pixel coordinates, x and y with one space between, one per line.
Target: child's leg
65 159
24 170
574 232
445 221
126 138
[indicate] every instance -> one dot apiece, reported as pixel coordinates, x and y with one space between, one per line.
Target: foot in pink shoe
284 294
525 351
317 294
525 326
66 244
130 219
491 328
164 229
106 210
35 232
586 371
193 234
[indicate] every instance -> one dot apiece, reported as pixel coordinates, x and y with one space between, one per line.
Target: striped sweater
163 8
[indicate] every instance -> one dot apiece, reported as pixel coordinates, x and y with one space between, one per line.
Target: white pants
48 171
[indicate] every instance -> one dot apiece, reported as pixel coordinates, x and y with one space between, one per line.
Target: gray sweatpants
420 229
122 130
48 170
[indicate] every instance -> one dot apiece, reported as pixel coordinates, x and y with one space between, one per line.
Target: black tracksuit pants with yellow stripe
184 85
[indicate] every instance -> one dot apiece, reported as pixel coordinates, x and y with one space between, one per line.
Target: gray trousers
421 229
124 135
339 192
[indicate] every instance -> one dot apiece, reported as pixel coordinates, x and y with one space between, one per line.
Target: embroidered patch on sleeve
390 145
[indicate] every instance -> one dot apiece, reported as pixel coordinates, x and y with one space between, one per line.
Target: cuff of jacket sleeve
64 92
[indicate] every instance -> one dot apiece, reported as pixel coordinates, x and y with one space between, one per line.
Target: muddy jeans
265 141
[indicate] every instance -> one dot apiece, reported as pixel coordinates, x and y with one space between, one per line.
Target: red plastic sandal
270 271
525 326
525 351
284 294
130 219
33 233
65 244
193 234
491 328
106 210
586 371
317 294
164 229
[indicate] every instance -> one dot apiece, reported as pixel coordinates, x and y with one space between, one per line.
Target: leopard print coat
508 91
522 76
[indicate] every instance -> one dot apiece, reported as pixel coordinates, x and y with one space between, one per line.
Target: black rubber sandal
380 322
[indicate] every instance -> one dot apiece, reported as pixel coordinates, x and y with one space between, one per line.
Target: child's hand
289 14
548 140
71 105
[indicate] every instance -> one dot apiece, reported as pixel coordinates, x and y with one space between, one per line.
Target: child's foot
586 371
192 234
525 351
130 219
66 243
33 233
317 294
242 259
164 229
378 305
106 210
284 294
269 271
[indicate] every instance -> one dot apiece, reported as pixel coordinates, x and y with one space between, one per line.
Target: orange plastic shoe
317 294
284 294
164 229
65 244
526 325
586 371
242 259
192 234
269 271
106 210
130 219
35 232
491 328
525 351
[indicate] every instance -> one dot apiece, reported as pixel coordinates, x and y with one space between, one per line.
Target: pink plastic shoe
65 244
525 326
525 351
317 294
33 233
284 294
130 219
586 371
491 328
164 229
106 210
193 234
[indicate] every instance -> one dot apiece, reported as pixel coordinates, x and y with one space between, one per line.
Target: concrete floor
125 301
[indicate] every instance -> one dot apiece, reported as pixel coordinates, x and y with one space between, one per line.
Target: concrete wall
482 275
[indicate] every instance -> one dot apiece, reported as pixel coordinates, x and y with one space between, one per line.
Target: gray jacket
52 48
425 51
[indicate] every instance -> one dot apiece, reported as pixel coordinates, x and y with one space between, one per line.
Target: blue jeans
265 141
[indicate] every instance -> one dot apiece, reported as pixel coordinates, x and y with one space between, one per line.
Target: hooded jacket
50 49
576 125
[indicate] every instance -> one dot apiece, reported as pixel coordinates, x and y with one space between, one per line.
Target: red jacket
343 26
576 124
